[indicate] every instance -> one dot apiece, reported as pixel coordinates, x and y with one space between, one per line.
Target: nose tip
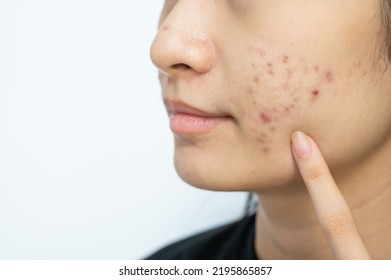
179 52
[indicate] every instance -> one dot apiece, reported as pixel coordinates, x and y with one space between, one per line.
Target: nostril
180 66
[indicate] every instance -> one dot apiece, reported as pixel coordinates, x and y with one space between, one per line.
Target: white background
86 166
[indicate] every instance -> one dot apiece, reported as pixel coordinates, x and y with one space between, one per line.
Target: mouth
188 120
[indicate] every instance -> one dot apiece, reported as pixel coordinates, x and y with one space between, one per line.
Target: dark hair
386 32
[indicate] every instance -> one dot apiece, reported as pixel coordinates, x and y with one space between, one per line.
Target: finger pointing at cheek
332 210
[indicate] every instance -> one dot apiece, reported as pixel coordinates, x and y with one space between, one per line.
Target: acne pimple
269 64
285 59
329 77
266 150
261 52
315 92
265 118
166 27
261 141
250 91
316 68
289 74
270 72
256 79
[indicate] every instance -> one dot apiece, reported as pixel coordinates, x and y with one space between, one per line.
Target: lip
188 120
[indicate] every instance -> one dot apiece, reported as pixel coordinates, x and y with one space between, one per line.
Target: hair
386 32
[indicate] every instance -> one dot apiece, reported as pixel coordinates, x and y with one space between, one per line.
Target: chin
214 173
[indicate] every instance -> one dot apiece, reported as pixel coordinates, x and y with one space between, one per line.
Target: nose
183 45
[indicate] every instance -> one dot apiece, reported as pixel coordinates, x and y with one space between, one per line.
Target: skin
276 67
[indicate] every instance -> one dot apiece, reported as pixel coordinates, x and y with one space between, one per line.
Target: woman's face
264 69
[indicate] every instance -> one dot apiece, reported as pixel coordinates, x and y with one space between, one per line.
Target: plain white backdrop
86 168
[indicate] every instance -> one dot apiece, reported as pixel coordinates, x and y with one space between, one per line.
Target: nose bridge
184 39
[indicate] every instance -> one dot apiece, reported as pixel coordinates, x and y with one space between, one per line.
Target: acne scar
285 59
315 92
256 79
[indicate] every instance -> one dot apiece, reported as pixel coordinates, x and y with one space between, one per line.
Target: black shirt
234 241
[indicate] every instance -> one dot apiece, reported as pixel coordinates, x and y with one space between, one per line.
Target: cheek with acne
288 84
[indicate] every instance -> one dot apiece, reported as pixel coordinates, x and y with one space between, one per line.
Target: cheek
279 88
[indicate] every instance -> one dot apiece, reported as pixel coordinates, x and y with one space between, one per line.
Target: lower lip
191 124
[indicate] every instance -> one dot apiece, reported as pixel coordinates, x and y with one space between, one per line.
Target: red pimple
262 141
289 73
265 118
329 77
261 52
166 27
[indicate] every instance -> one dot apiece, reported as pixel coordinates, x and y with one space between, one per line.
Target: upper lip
180 107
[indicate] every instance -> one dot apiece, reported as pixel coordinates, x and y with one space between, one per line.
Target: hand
332 210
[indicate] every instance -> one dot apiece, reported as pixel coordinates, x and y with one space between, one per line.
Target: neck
287 226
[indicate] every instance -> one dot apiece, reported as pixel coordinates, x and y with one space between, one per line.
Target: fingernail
301 144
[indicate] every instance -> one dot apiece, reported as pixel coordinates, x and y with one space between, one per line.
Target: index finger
333 212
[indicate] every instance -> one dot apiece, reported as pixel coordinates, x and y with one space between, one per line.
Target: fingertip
301 144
